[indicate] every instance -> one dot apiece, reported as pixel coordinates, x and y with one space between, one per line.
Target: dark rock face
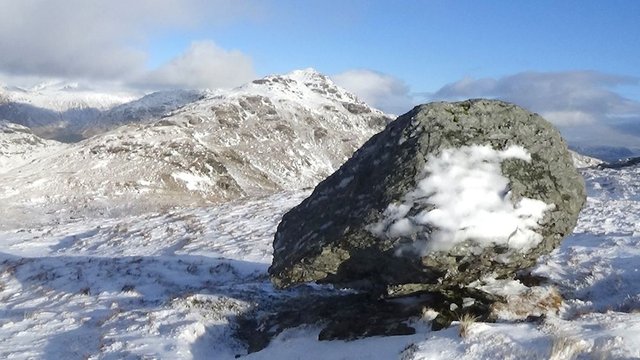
446 194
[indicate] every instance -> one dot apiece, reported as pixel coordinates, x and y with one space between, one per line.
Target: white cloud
379 90
95 40
569 118
584 104
572 97
203 65
467 87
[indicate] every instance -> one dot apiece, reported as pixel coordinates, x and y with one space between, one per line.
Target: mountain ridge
71 113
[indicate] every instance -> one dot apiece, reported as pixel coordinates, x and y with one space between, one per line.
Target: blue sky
575 62
429 43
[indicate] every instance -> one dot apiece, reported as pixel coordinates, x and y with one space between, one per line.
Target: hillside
170 284
18 146
145 109
277 133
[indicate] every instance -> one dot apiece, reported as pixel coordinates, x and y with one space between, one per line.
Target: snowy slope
18 146
278 133
148 107
168 284
135 286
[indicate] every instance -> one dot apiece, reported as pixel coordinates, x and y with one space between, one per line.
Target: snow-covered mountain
56 110
277 133
607 153
60 96
70 113
280 132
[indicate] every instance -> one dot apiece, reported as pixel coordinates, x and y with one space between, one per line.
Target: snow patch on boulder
467 198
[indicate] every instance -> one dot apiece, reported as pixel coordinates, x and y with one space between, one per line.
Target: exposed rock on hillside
446 194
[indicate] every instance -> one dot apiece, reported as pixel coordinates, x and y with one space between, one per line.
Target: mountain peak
305 83
309 76
302 76
308 73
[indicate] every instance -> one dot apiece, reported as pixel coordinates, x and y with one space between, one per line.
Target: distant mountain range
606 153
68 113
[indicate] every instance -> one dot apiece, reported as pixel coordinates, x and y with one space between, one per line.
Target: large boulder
448 193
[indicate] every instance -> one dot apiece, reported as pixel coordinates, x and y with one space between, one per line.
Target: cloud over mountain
202 65
377 89
586 104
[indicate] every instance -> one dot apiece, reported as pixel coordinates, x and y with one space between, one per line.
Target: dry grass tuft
566 348
552 302
466 321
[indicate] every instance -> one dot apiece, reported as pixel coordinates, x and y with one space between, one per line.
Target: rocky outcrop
447 194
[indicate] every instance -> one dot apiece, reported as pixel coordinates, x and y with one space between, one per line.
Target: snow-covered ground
168 285
158 285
